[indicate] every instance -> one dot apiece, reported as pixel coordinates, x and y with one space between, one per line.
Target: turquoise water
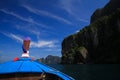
91 72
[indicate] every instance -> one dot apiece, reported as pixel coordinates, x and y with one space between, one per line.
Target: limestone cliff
105 11
50 59
97 43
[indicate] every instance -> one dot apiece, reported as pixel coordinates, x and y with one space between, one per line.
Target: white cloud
53 49
17 16
77 31
29 19
45 13
30 29
13 36
37 44
35 30
72 7
43 43
67 5
16 37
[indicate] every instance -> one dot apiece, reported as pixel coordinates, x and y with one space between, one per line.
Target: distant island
97 43
50 59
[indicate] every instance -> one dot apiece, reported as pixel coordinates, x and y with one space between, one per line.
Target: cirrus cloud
45 13
37 44
72 8
29 19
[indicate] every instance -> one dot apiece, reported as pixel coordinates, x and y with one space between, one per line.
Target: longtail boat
25 68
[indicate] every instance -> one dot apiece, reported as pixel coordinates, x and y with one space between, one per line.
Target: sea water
90 71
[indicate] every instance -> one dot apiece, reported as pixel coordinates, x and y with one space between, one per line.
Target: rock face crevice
97 43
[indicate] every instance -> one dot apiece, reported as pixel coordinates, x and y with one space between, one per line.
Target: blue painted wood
27 65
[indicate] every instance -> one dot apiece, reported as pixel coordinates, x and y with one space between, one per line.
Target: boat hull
27 69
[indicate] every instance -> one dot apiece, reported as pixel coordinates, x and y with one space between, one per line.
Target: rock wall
97 43
50 59
105 11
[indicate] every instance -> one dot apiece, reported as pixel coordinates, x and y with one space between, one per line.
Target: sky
46 22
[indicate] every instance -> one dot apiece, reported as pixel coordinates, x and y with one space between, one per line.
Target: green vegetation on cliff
97 43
